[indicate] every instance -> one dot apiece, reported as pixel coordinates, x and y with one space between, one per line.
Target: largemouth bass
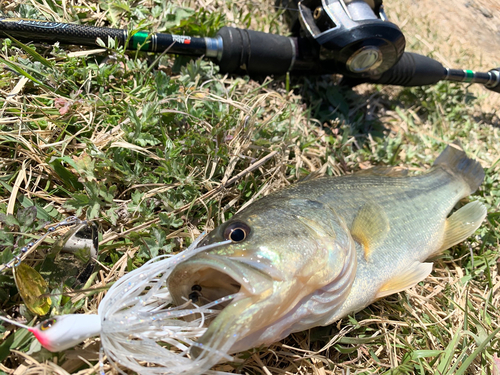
319 250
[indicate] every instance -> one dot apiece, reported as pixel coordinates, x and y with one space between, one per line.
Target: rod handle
413 70
255 52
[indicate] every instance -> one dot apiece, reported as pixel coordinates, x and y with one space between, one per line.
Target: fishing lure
137 322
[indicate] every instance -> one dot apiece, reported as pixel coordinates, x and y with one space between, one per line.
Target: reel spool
353 36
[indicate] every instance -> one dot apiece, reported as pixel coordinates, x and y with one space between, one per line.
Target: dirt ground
461 34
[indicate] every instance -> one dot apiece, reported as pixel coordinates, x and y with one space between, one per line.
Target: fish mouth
206 278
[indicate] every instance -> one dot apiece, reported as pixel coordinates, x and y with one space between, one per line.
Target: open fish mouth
206 278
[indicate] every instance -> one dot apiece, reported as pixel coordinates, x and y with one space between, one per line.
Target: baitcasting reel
349 37
353 35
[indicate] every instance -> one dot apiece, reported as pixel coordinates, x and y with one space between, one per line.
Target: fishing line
15 323
137 318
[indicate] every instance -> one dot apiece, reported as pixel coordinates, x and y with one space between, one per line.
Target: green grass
157 155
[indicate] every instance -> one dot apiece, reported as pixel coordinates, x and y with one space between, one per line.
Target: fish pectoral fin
370 227
411 276
462 224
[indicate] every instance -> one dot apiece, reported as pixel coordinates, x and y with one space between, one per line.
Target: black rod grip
413 70
255 52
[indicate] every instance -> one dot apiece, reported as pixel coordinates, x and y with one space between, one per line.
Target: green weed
158 150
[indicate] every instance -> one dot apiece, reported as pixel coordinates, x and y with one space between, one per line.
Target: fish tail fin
454 160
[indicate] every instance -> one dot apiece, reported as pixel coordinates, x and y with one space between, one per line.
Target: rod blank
52 32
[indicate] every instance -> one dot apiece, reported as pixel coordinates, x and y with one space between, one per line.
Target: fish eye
236 232
46 324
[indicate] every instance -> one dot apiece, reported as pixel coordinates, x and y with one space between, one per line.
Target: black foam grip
255 52
413 70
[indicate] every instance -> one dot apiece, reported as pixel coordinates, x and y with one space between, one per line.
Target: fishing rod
353 38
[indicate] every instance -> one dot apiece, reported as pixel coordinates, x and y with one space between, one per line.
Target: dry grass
260 138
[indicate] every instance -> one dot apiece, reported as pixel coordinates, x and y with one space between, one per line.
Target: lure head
65 331
286 255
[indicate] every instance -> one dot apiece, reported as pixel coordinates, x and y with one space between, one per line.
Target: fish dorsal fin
384 171
410 277
370 227
311 176
462 224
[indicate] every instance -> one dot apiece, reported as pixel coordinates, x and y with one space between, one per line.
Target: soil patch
462 34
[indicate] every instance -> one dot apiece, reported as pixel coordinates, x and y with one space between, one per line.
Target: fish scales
319 250
346 196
